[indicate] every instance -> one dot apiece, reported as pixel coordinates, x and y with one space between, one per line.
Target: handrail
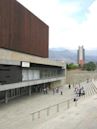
57 105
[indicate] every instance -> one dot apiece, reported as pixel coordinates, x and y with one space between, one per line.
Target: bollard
32 116
57 107
48 111
76 103
38 114
68 104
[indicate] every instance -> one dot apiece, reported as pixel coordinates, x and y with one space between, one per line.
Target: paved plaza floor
17 113
84 116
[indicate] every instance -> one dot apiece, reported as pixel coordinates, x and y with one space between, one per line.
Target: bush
91 66
72 66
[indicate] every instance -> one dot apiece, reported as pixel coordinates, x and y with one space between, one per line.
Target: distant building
81 55
24 64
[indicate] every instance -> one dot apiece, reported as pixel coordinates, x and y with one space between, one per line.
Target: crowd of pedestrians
79 91
54 90
57 90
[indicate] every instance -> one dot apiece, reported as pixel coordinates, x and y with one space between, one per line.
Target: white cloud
89 27
64 30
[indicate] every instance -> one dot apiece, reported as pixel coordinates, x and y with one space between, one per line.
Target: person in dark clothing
61 92
79 92
69 86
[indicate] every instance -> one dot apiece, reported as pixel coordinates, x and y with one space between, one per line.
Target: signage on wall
25 64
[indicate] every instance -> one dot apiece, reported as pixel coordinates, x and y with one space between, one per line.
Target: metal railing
62 106
53 109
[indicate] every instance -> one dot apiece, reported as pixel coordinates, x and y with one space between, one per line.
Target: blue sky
81 13
71 22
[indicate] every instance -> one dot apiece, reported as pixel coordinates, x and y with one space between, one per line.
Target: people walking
69 86
61 92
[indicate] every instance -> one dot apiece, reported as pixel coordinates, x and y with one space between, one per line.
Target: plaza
17 113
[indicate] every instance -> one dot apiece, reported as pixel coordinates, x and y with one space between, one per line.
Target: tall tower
81 56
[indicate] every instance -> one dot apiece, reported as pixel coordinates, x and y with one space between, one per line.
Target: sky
72 23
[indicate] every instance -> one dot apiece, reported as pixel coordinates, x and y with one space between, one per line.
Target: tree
90 66
72 66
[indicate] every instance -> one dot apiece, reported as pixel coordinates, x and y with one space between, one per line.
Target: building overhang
28 83
15 58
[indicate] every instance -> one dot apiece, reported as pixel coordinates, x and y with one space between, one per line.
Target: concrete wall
9 55
79 76
59 83
30 83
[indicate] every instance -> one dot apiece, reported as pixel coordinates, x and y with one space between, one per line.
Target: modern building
81 56
24 64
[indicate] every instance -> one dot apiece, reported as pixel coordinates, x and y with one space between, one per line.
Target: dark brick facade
20 30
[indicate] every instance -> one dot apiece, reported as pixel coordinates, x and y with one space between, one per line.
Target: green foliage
91 66
72 66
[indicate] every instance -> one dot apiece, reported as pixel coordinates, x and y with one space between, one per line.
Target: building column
19 91
29 90
6 96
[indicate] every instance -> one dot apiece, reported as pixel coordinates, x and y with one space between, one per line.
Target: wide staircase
90 89
56 109
36 110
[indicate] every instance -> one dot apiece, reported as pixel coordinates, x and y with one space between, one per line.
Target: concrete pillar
6 96
19 92
29 90
14 92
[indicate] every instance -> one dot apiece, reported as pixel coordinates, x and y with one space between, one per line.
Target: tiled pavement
17 113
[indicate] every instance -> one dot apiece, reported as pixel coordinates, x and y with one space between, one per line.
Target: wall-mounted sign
25 64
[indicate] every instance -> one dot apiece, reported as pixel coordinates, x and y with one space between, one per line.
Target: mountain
62 54
88 52
70 56
91 52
